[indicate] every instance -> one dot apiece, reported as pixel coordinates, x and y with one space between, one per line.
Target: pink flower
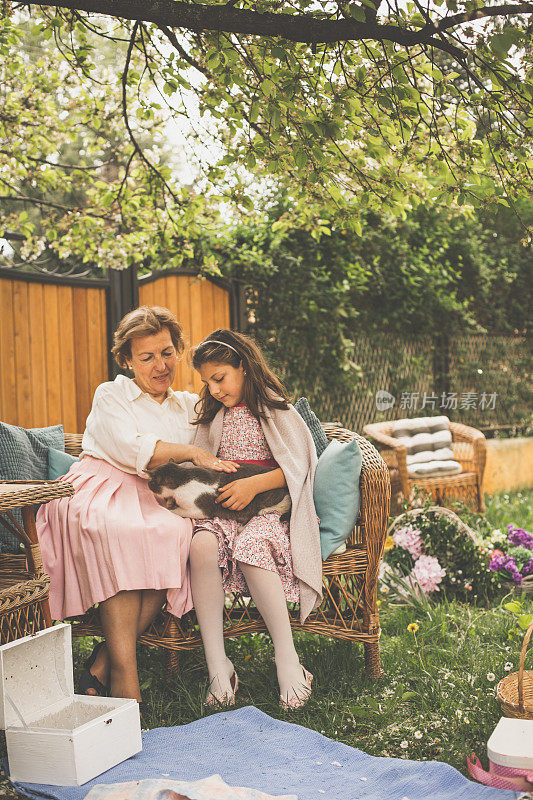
428 573
409 538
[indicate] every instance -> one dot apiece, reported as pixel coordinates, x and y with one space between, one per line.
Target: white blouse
125 424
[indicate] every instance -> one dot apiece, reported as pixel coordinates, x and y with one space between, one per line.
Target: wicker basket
526 586
515 691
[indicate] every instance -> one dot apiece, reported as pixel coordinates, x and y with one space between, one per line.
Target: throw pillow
313 423
336 493
59 463
428 441
24 457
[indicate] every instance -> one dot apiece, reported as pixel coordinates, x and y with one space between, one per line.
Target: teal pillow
336 493
59 463
313 423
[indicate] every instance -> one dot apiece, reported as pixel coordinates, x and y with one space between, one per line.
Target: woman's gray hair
144 321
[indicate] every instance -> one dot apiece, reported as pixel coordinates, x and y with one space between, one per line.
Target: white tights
267 593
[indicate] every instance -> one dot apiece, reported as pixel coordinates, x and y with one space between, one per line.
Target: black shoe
143 711
88 680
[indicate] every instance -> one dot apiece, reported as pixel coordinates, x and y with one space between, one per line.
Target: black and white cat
190 491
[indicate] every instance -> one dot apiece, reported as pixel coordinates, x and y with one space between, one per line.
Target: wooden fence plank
197 324
52 335
221 301
97 356
81 335
37 355
68 360
22 350
8 387
209 321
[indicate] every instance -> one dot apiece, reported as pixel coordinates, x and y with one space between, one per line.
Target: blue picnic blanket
249 748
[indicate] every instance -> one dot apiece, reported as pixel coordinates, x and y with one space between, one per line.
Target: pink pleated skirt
111 536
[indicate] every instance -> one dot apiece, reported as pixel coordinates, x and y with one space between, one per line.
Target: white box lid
35 672
511 743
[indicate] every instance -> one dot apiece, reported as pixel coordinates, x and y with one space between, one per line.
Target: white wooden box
511 744
53 735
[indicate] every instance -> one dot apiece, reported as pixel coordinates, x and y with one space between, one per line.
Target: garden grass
436 699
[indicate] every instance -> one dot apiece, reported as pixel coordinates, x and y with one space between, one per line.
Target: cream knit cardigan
293 448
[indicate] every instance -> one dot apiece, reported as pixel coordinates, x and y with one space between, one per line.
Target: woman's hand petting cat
238 494
204 459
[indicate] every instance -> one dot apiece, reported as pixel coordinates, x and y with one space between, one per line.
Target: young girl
245 417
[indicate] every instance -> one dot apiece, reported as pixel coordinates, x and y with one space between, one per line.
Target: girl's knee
204 548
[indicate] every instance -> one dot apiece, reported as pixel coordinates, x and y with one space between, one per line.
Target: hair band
216 341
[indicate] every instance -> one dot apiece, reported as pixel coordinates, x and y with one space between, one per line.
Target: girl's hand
204 459
237 494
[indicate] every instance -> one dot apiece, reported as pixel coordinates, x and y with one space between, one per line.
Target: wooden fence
200 305
55 339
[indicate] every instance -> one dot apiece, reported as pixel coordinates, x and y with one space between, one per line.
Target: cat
190 491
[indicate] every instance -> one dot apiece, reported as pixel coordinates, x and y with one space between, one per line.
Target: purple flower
517 578
497 563
519 537
527 569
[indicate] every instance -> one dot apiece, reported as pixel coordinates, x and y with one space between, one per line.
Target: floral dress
264 542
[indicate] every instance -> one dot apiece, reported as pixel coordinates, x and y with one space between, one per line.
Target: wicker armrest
375 431
464 433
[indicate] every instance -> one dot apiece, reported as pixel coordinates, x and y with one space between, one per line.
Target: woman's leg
208 596
151 602
268 595
119 616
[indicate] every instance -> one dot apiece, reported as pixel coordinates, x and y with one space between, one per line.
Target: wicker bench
349 609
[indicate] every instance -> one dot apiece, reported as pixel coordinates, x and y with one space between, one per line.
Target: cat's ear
173 461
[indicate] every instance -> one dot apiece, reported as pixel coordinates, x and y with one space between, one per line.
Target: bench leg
173 661
372 661
173 656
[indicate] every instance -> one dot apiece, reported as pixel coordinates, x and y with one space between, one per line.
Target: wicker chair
349 609
23 584
469 448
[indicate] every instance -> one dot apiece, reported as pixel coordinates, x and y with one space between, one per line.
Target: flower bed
513 559
431 550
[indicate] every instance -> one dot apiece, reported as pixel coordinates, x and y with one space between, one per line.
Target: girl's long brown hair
261 387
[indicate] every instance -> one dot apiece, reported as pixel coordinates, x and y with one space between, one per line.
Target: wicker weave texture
515 691
26 493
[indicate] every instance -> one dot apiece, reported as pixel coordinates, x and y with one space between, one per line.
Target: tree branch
294 27
488 11
138 148
57 164
70 209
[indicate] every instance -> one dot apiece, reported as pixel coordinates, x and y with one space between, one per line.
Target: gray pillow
313 423
24 457
428 442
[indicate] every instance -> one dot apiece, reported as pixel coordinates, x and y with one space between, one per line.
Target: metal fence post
122 296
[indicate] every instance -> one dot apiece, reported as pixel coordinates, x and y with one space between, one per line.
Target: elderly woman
111 543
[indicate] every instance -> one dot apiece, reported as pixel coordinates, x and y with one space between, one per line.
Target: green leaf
268 87
357 12
525 620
